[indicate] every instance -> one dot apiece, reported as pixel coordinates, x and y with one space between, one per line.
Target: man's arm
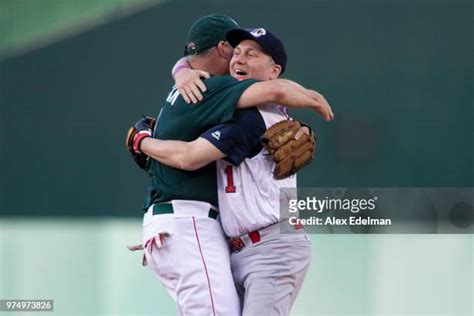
181 155
233 141
281 91
287 93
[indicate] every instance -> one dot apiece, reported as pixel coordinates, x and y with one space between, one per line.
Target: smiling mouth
240 72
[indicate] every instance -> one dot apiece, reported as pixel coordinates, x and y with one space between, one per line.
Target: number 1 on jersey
230 188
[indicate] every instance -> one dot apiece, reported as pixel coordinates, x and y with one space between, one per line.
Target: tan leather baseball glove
292 146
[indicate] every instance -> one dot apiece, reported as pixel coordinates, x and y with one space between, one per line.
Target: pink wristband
181 64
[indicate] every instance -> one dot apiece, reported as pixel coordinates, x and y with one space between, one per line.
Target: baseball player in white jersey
268 266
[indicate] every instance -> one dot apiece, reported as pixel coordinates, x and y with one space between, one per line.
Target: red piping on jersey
205 267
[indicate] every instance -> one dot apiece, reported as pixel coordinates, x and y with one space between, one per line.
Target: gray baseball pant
269 274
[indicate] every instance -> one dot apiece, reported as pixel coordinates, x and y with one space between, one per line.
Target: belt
167 208
239 243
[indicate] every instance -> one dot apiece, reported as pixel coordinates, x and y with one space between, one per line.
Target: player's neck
214 66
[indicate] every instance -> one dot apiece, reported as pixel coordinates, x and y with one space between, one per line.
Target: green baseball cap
208 31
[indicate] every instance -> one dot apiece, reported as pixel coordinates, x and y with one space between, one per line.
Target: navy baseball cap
207 32
268 40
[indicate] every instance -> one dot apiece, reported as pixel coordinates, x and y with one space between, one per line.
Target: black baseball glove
142 129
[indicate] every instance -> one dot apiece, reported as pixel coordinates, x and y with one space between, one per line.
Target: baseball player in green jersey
183 242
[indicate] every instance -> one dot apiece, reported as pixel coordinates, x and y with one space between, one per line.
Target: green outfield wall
399 75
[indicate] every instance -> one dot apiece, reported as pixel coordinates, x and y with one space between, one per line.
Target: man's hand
316 101
322 106
190 85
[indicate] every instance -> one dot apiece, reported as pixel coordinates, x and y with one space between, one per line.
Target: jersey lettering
230 188
173 95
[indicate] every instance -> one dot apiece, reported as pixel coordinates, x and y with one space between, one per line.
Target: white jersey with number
249 195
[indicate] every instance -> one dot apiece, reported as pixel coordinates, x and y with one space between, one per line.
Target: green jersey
181 121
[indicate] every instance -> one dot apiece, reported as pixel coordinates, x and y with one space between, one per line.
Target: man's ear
225 50
276 71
